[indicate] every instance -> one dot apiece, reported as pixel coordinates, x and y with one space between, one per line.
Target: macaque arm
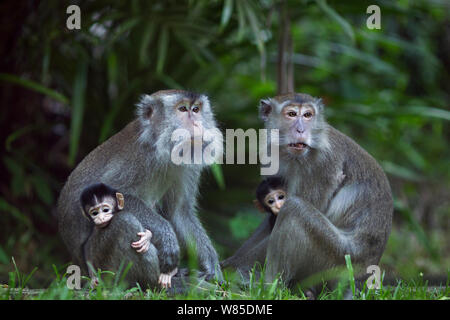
315 223
163 236
245 253
188 227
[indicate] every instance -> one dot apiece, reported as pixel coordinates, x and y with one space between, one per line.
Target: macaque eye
292 114
183 108
307 115
271 201
281 197
105 209
94 213
195 109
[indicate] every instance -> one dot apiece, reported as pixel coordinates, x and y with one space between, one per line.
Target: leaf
218 175
108 121
163 44
6 207
226 13
428 112
336 17
42 189
241 19
145 43
78 104
255 27
34 86
16 135
190 46
400 171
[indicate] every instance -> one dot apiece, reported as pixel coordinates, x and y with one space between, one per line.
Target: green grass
112 287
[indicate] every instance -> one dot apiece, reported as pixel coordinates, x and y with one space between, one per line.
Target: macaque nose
278 205
300 130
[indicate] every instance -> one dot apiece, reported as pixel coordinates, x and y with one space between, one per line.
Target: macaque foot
142 245
94 282
310 295
165 279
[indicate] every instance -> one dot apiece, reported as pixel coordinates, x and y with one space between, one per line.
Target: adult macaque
339 199
99 204
270 197
137 160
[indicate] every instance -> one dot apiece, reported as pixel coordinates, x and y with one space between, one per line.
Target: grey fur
338 202
325 218
137 162
252 252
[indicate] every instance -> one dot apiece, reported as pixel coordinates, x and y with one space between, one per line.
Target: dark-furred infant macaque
99 204
270 197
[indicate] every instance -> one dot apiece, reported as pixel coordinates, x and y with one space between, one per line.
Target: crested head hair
95 193
268 185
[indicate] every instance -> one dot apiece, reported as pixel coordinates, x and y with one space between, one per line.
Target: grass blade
336 17
79 90
163 44
226 13
218 175
34 86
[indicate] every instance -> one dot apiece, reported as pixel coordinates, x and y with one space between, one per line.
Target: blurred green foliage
65 91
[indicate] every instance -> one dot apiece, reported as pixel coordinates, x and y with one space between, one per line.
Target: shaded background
62 92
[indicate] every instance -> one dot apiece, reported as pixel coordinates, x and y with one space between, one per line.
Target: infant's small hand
143 244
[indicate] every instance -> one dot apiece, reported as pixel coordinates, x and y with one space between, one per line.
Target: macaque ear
319 105
120 200
258 206
146 106
265 108
83 211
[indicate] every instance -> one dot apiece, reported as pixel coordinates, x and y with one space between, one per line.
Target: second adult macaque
99 204
339 199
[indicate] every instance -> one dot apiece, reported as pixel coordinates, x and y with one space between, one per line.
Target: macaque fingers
165 280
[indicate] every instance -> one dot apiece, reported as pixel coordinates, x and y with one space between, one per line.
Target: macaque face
299 119
274 200
190 115
102 213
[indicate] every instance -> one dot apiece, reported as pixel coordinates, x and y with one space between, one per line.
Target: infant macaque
270 195
99 204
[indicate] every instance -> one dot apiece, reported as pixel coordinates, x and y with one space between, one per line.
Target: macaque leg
165 279
94 279
187 226
309 243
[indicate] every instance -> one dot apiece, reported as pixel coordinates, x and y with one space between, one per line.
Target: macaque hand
143 244
165 279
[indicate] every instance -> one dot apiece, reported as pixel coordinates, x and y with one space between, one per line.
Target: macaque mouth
103 224
298 145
